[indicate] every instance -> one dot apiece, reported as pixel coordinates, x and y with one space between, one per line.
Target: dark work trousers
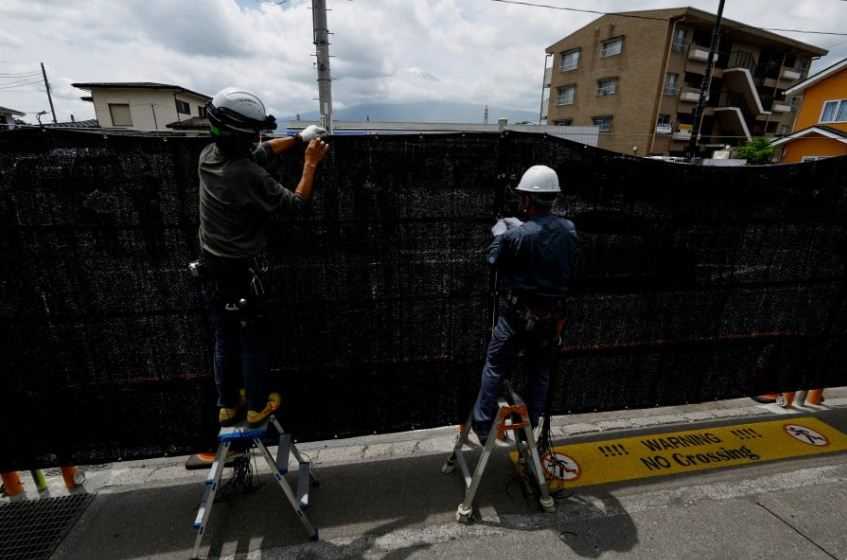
241 335
510 333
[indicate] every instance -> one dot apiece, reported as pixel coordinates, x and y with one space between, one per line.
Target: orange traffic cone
785 400
815 396
12 484
73 477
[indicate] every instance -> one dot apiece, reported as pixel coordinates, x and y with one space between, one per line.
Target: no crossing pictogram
806 435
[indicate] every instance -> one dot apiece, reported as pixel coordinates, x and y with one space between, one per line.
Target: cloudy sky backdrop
474 51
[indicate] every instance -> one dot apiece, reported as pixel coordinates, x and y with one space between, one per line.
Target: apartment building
637 76
144 106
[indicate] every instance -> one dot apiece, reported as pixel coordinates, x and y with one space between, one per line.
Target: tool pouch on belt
530 310
238 284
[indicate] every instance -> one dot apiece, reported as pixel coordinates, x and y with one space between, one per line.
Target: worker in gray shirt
237 196
534 260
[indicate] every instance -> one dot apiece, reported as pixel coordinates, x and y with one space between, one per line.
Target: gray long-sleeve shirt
237 196
537 257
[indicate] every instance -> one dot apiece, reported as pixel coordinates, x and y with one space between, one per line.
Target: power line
583 11
636 16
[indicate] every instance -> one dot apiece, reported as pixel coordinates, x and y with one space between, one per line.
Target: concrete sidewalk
384 497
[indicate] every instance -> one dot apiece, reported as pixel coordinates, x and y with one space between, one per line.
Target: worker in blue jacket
535 261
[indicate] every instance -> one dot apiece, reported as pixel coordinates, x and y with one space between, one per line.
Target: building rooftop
815 78
14 112
706 17
137 85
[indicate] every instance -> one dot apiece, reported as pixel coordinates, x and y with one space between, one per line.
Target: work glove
512 223
499 228
311 132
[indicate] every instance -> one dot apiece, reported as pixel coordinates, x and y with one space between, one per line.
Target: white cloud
385 50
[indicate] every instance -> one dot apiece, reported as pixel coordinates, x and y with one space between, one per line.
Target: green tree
757 151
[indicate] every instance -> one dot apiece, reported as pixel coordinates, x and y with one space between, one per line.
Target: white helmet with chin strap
539 179
238 110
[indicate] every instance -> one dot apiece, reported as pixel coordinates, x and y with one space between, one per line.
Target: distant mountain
422 112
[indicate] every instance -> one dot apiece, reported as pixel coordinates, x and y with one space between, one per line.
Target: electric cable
654 18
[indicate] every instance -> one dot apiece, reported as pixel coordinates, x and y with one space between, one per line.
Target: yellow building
820 129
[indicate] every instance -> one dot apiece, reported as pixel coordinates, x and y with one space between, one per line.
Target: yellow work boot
256 418
232 416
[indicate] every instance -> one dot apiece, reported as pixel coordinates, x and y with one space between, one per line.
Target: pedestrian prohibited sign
806 435
558 466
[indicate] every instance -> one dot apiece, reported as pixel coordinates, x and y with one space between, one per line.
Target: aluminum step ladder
512 416
242 435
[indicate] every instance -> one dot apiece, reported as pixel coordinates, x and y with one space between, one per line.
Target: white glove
499 228
512 223
311 132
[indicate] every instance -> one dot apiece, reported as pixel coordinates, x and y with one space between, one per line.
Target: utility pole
49 97
321 40
544 85
707 83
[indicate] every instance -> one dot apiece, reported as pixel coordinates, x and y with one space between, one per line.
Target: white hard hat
539 179
238 109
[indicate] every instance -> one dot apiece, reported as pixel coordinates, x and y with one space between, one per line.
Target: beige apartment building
637 76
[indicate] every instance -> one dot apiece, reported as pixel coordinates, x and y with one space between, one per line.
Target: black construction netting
694 283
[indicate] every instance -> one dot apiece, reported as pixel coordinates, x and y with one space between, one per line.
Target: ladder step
304 482
282 453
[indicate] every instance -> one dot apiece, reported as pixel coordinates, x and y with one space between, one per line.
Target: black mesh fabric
693 284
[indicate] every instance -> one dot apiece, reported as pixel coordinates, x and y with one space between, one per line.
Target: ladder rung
304 482
282 453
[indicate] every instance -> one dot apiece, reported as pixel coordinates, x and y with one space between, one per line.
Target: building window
612 47
604 122
183 108
563 122
569 60
834 111
663 124
783 130
671 83
201 112
609 86
120 114
567 94
679 42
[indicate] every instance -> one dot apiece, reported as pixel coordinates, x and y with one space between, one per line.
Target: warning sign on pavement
662 454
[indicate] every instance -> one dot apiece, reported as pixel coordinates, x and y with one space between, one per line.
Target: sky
385 51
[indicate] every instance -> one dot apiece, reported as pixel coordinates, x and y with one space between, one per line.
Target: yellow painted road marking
630 458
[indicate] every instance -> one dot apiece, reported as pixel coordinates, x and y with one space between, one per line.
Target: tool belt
531 309
238 284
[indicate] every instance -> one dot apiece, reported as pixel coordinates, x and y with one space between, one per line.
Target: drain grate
32 530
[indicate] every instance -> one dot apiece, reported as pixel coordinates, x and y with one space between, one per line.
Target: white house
7 118
143 105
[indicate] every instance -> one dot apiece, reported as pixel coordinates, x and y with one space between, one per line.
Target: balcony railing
682 135
664 129
791 74
700 54
781 107
690 95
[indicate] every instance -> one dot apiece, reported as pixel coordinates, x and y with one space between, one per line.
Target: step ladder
512 416
241 435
